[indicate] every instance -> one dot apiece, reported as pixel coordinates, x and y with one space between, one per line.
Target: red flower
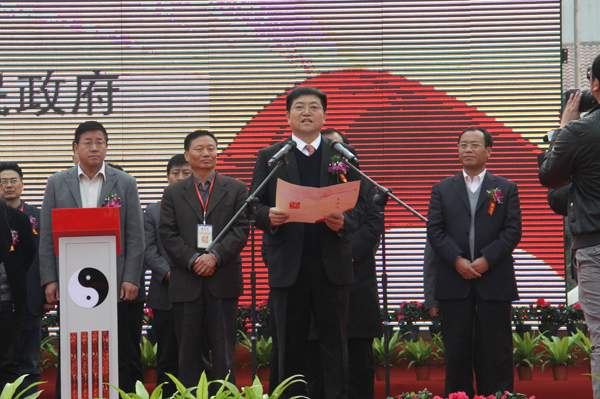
577 306
542 302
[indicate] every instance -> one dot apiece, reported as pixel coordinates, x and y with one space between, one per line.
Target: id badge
204 235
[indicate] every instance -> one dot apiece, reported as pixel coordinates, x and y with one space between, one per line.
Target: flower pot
409 333
149 376
380 373
422 372
525 373
433 330
549 330
560 373
572 328
263 373
521 329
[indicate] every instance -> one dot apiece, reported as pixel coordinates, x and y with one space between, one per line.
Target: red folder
82 222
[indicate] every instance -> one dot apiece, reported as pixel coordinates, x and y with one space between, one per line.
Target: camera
587 99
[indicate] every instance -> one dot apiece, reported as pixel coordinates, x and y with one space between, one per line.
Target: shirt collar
468 178
102 171
301 143
210 180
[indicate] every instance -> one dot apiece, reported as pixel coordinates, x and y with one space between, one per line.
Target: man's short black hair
175 161
595 70
11 166
487 136
86 127
329 130
194 135
303 91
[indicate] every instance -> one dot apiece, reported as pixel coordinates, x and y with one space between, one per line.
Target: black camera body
588 101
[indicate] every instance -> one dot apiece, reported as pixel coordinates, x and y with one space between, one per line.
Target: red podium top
81 222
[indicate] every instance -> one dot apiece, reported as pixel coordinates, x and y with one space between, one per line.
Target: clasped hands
204 265
333 220
470 270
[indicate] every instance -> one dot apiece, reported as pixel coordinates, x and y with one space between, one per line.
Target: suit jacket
35 291
364 319
5 235
429 262
18 261
157 260
62 191
284 244
180 214
496 236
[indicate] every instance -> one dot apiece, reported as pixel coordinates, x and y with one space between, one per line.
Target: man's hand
277 216
129 291
204 265
464 268
52 293
571 111
480 265
168 276
334 221
434 312
48 307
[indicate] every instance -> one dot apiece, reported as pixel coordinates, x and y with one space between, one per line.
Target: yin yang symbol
88 287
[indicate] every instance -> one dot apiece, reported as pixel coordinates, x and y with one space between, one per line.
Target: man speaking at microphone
310 265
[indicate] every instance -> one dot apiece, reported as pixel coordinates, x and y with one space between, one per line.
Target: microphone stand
381 199
252 198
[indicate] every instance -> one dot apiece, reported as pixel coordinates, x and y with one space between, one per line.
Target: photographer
574 155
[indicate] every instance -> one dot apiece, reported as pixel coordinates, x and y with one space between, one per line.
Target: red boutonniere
15 239
33 225
496 198
111 201
338 168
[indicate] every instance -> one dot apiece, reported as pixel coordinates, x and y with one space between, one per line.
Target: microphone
290 145
343 151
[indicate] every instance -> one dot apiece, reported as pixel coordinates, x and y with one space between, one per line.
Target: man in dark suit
310 265
474 226
11 188
364 319
13 290
204 287
87 185
157 261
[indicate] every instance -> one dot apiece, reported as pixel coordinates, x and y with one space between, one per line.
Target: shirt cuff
192 259
214 251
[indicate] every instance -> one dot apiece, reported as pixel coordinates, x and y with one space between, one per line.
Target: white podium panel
88 317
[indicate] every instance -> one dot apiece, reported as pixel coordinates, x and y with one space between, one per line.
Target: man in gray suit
88 185
204 286
157 260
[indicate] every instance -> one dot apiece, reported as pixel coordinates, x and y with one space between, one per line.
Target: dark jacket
496 236
573 155
35 291
19 260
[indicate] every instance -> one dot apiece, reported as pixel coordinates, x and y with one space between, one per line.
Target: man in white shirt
474 226
87 185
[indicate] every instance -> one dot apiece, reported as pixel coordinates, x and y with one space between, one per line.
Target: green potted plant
560 354
520 315
575 319
263 356
48 354
436 324
585 347
148 360
407 315
526 354
420 354
379 354
550 317
12 391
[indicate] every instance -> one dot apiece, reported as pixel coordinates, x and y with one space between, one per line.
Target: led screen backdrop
403 78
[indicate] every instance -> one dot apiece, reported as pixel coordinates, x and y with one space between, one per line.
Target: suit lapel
218 192
291 169
191 196
488 184
72 181
460 187
108 185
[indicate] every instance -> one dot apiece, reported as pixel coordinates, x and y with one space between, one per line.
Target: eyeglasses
90 144
474 146
311 108
12 181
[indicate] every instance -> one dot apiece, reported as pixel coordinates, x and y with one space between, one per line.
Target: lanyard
204 207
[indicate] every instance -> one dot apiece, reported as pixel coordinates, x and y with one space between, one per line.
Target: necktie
310 149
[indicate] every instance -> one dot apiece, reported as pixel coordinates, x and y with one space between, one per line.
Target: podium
87 241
